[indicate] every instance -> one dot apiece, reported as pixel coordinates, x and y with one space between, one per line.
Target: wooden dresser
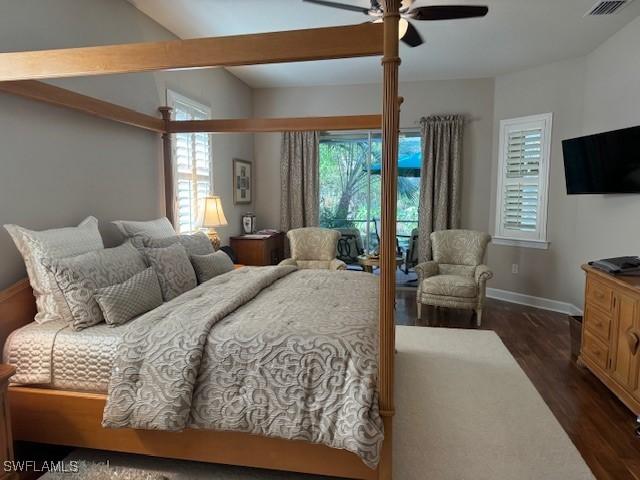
611 333
6 440
258 251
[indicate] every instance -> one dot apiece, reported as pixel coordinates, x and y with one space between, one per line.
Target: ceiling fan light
403 26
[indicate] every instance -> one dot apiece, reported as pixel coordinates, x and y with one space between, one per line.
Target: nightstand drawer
595 349
599 294
597 322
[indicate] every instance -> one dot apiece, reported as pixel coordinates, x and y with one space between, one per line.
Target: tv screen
603 163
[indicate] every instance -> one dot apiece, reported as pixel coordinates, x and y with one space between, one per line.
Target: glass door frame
368 134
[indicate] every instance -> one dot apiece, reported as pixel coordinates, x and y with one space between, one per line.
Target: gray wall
595 93
58 166
471 97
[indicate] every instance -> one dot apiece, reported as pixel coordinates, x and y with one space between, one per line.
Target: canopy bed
75 417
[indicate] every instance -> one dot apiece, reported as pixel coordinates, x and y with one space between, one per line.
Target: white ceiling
516 34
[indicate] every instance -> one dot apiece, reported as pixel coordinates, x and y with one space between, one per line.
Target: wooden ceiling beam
262 125
60 97
276 47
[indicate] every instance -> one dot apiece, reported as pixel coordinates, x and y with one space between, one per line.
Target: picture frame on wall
242 181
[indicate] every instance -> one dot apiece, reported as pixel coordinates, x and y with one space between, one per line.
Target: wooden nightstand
6 440
257 251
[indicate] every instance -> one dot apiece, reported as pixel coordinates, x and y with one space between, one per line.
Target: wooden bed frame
74 418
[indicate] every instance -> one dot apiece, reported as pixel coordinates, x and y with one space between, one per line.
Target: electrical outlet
514 268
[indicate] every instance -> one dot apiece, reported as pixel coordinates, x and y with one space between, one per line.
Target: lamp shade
210 213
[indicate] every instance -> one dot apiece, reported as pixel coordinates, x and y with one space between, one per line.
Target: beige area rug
465 411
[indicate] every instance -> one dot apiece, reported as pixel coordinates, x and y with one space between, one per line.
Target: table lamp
210 215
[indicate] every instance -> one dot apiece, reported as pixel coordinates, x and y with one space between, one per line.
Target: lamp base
215 239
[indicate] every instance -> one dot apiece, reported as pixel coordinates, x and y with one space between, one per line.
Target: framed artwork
242 181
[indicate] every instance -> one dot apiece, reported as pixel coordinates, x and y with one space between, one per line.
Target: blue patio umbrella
408 165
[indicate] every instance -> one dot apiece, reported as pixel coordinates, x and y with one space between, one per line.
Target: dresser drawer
597 322
595 349
599 294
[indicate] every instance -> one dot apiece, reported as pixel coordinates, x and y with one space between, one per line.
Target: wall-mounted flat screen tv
603 163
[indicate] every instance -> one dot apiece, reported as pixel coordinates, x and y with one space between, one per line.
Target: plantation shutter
522 175
522 179
192 163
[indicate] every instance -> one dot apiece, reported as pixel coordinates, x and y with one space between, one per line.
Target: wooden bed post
167 151
390 132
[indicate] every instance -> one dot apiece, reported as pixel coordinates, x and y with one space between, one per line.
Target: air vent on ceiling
607 7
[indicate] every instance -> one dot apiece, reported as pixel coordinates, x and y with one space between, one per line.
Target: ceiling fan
408 33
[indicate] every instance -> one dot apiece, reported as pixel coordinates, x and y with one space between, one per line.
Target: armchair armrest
288 262
483 274
337 265
427 269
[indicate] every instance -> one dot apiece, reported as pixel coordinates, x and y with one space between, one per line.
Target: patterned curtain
299 180
441 178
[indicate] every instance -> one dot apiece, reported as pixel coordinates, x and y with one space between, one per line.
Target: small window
192 162
523 177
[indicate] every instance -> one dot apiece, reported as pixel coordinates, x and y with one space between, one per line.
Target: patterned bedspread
270 351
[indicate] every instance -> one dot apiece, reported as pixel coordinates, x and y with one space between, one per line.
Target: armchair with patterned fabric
314 248
455 277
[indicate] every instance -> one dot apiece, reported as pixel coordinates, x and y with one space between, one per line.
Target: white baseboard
531 301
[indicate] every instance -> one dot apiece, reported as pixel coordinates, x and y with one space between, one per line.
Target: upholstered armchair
315 248
455 277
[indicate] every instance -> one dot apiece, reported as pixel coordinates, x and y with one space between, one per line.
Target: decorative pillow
196 244
211 265
174 270
80 277
158 228
53 244
131 298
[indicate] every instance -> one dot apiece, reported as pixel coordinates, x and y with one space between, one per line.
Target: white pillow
53 244
159 228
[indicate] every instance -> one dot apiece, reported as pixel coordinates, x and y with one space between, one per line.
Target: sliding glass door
350 184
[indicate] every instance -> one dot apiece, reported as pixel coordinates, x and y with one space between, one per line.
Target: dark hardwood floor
600 426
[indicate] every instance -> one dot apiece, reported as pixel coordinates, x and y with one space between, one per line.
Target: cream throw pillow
131 298
80 277
211 265
196 244
53 244
158 228
174 270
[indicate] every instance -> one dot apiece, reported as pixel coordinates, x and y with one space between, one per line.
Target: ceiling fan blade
341 6
412 36
447 12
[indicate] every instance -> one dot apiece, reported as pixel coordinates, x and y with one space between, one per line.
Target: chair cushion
450 286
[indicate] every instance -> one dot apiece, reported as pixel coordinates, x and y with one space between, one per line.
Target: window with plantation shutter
523 175
192 162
